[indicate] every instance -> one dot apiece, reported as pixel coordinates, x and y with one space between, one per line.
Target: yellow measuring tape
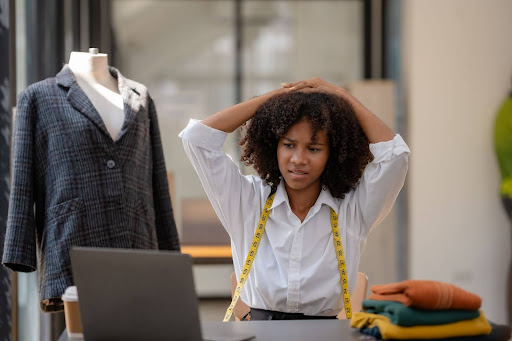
250 257
254 248
341 263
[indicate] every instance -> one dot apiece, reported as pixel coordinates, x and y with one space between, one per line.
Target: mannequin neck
92 68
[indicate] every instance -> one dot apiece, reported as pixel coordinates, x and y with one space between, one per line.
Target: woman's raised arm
374 128
229 119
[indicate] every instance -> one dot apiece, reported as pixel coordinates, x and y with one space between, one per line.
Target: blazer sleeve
167 233
20 239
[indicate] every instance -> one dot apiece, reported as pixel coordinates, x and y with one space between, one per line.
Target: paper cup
72 312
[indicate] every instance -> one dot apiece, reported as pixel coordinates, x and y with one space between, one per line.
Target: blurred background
436 71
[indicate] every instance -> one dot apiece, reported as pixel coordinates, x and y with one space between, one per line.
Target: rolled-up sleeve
202 136
226 187
381 182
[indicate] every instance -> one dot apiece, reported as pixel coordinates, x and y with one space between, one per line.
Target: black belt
261 314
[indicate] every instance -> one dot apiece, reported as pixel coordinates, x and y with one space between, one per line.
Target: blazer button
111 164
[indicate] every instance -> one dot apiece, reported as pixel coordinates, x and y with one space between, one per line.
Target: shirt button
111 164
294 288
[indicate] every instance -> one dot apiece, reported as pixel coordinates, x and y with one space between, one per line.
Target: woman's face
301 160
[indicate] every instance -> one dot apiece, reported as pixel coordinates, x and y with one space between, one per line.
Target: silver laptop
127 294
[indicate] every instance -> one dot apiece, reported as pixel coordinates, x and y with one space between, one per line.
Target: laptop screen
127 294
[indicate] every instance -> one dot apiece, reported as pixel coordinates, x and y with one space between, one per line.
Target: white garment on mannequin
93 77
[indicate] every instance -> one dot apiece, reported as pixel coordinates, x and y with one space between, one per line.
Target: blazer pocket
65 208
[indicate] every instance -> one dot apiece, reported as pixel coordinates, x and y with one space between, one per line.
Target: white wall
457 70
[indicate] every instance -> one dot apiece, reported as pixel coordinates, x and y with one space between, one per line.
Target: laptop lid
127 294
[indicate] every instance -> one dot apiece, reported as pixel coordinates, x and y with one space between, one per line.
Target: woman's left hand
315 85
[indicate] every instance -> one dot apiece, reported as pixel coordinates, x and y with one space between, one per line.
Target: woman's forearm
231 118
374 128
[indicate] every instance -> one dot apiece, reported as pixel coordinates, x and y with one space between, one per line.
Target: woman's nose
298 157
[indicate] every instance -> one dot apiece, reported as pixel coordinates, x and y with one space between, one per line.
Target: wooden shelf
208 254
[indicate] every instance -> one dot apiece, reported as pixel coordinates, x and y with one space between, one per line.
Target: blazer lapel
79 100
134 97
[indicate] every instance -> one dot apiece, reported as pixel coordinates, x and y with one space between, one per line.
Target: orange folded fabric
426 295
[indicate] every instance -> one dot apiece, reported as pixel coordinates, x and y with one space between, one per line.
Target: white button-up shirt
295 268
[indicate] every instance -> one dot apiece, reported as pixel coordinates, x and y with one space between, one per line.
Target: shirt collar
281 196
325 197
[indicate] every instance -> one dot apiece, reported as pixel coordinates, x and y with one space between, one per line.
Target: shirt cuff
203 136
385 151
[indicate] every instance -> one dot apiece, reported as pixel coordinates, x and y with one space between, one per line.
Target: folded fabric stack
415 309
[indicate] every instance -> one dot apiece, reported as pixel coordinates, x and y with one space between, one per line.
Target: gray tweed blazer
72 185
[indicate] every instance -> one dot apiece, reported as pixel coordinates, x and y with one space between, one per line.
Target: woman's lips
297 174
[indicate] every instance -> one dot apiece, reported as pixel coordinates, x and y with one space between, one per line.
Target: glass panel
283 42
28 307
183 51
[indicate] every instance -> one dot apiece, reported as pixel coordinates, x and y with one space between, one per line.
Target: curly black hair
349 147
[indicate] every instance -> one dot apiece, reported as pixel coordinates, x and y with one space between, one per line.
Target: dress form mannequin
71 185
93 76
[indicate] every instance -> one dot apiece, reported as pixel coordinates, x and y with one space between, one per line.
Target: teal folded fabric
401 315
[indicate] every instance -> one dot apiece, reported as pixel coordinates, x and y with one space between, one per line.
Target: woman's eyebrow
312 143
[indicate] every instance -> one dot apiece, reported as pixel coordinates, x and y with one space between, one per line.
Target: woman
322 157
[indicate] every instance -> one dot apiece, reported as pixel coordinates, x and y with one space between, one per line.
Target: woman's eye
313 149
288 145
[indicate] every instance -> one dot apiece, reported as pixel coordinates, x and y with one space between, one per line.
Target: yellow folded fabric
477 326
